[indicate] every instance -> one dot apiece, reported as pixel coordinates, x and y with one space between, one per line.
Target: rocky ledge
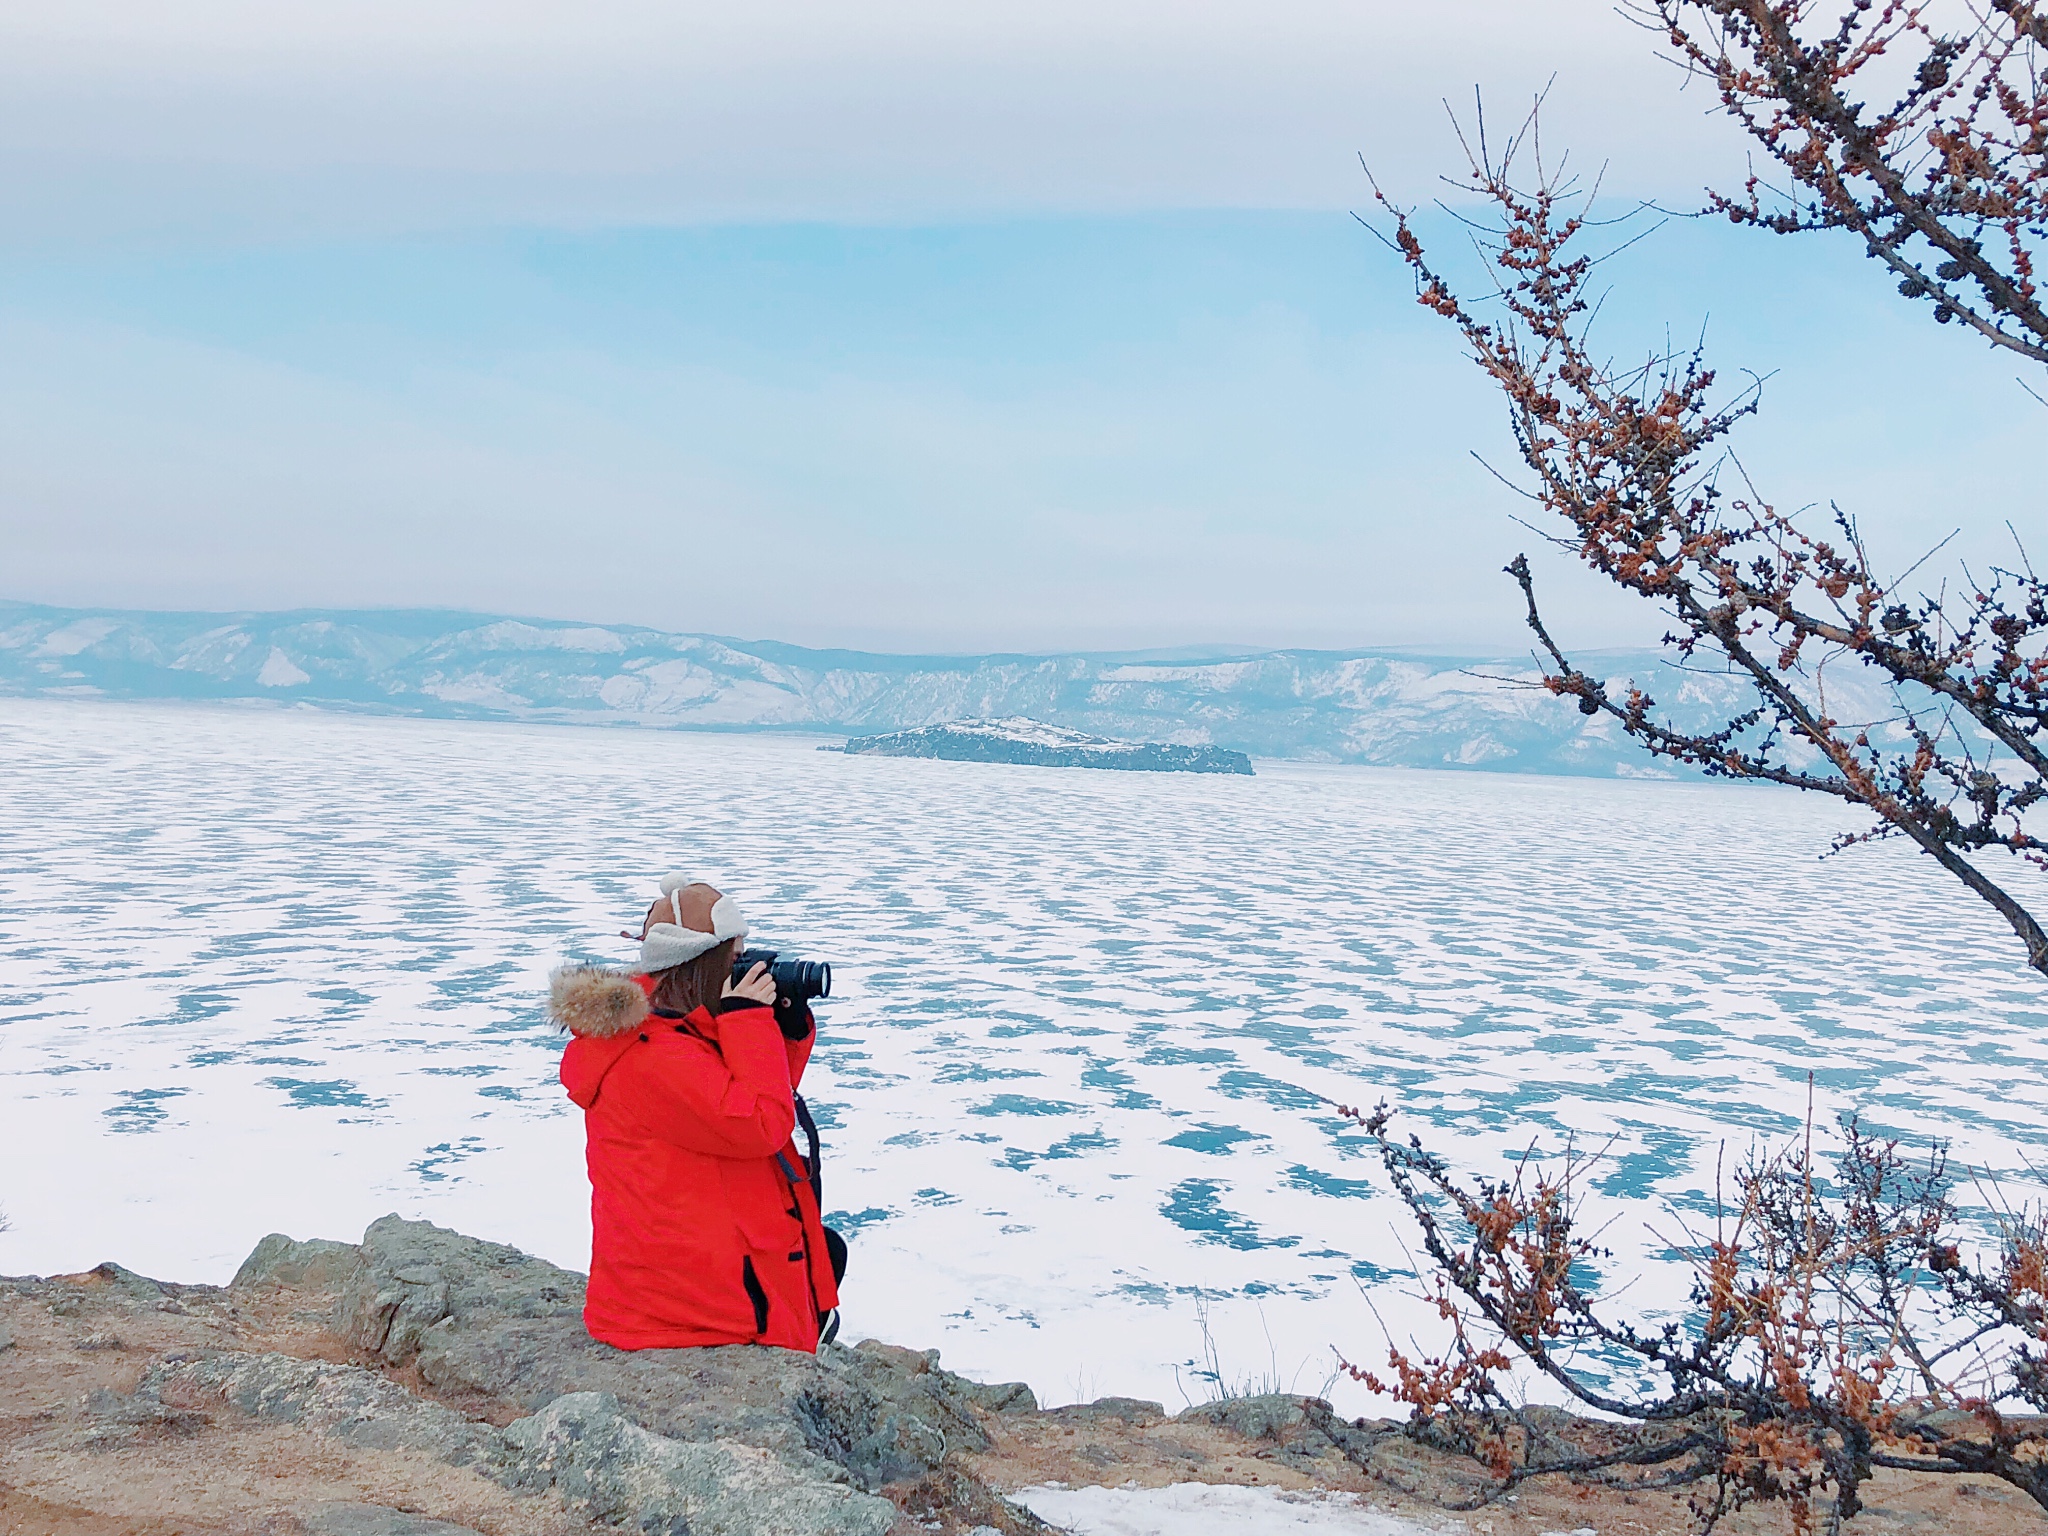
424 1383
1033 742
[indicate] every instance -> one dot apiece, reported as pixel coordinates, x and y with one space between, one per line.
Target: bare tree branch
1630 459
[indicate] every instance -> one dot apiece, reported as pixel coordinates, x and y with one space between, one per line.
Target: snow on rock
511 635
73 638
1019 739
280 671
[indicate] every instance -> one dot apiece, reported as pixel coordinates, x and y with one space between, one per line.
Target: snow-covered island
1020 739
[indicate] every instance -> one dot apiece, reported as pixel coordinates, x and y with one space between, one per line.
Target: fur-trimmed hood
595 1002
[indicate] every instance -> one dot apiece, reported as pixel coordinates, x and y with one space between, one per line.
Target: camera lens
795 980
806 978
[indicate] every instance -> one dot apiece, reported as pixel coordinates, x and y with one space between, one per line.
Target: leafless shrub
1835 1326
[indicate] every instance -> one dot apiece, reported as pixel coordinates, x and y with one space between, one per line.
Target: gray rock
1277 1416
698 1441
1301 1426
413 1274
114 1420
483 1318
1000 1397
915 1412
6 1338
603 1465
1357 1439
345 1401
581 1446
126 1283
317 1264
102 1339
335 1518
480 1319
911 1364
1130 1410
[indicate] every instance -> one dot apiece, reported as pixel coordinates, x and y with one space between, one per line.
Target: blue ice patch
193 1008
1319 1183
141 1110
1018 1104
846 1223
1022 1158
443 1155
1240 1084
337 1093
1212 1138
1193 1207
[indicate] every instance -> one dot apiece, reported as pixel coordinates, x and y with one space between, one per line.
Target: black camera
796 983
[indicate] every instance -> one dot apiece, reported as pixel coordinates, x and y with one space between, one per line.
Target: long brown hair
698 983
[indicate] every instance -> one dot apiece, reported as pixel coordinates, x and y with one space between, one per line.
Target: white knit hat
668 944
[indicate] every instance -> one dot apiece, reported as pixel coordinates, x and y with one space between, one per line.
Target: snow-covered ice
1214 1509
281 970
1210 1509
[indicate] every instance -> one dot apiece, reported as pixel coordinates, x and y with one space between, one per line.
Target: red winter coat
704 1228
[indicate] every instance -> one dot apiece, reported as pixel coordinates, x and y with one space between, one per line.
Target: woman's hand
759 987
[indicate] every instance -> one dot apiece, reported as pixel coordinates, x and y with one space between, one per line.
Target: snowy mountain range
1393 708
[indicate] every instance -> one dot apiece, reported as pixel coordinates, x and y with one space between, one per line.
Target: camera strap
815 1158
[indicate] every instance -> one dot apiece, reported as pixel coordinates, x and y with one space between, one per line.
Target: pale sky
914 327
375 115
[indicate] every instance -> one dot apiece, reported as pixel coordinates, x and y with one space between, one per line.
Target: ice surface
282 971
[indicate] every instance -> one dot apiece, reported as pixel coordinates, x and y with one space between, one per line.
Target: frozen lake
281 971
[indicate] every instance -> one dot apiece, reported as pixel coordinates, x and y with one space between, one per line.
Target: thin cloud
379 117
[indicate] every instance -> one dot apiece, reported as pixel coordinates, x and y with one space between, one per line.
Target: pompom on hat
701 918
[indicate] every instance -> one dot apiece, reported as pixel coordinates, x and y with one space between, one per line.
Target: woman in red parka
705 1227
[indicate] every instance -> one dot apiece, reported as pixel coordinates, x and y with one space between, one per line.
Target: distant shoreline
1380 708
